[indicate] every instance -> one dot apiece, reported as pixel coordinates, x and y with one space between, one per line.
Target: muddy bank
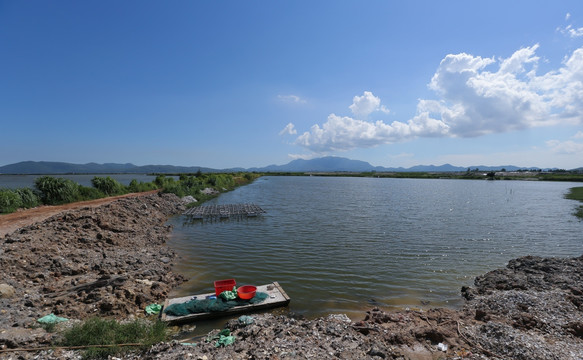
109 260
532 309
112 261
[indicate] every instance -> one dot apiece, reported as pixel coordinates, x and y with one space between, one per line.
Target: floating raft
224 211
276 298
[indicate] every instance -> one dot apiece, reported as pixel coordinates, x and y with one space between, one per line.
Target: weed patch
99 332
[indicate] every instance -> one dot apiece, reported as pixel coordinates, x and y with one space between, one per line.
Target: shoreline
112 260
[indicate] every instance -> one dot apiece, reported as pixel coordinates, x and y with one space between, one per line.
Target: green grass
97 331
576 193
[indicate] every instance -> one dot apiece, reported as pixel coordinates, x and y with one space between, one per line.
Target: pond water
343 245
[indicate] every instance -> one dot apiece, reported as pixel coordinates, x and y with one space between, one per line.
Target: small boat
276 298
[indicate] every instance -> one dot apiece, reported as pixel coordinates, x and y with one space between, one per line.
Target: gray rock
6 291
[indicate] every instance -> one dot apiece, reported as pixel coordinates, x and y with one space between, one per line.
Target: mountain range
324 164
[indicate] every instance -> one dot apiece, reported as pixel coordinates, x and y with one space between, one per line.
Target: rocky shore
112 261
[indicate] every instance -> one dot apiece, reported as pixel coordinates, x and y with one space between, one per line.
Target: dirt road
21 218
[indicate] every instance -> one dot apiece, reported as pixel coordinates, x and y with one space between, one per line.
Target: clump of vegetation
576 193
193 185
99 332
9 201
136 186
28 198
108 186
56 191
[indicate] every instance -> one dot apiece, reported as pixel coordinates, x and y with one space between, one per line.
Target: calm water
21 181
341 245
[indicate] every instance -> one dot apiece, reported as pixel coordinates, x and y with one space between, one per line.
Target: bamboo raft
276 297
224 211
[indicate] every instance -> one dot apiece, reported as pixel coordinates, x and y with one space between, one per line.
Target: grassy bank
49 190
576 193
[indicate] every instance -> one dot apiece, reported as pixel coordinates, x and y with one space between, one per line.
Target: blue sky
252 83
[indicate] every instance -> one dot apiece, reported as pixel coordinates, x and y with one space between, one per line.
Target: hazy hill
323 164
47 167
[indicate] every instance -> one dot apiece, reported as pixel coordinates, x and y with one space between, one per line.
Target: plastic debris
153 309
229 295
442 347
51 319
245 319
225 338
188 344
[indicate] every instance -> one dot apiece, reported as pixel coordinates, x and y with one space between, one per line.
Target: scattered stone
6 291
188 199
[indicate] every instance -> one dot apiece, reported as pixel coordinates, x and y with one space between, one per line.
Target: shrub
55 191
28 197
9 201
89 193
107 185
162 180
136 186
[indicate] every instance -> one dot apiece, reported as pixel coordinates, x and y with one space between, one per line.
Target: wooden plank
276 297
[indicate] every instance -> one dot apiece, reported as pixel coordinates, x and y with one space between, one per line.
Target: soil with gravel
112 261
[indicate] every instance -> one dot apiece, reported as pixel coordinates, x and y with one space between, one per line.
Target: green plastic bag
229 295
153 309
51 319
225 338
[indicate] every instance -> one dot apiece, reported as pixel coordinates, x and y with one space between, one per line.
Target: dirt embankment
107 260
112 260
19 219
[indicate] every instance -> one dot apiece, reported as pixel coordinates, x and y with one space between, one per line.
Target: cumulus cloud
567 16
475 96
345 133
291 99
364 105
289 129
565 147
578 135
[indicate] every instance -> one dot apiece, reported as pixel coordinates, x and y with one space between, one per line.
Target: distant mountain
323 164
329 163
47 167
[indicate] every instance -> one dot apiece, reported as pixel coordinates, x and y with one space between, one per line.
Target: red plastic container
246 292
224 285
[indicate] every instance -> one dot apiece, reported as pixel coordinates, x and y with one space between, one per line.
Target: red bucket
224 285
246 292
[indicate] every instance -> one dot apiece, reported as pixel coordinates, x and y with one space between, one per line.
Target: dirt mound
109 260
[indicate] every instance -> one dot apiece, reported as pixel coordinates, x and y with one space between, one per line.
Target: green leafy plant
55 191
89 193
136 186
9 201
97 331
108 186
28 197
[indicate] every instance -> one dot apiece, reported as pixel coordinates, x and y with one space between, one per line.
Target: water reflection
338 245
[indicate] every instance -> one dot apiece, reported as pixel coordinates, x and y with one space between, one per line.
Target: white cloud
565 147
476 96
291 99
289 129
345 133
364 105
302 156
578 135
476 101
571 32
567 16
